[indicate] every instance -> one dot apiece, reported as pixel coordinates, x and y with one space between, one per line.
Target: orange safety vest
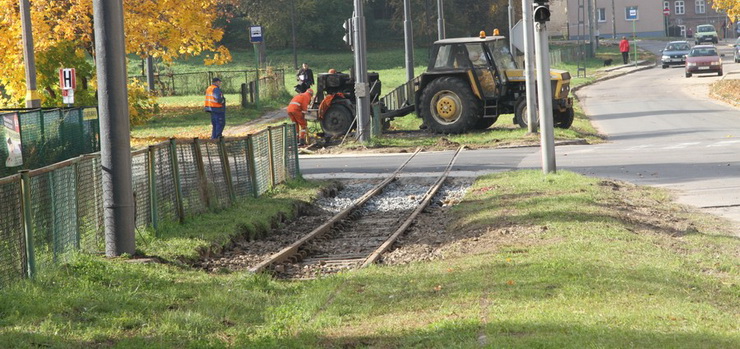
299 103
211 100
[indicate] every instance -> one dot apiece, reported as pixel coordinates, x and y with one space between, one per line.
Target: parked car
705 33
703 59
737 50
675 52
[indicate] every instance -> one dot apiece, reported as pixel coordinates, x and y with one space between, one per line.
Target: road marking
723 143
638 147
682 145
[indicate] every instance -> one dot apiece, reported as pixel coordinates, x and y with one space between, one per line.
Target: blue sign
631 13
255 33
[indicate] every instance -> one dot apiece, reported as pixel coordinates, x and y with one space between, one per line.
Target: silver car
737 50
675 53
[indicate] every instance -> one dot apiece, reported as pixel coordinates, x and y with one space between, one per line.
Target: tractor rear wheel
337 120
448 105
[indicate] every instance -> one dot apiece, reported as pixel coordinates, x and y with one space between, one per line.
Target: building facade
685 15
615 18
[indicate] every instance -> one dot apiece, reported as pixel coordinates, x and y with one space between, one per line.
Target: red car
703 59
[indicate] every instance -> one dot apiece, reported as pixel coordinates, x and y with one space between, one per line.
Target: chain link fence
40 137
191 84
48 213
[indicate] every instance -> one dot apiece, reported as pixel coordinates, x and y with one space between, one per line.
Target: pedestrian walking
624 47
216 106
305 78
297 110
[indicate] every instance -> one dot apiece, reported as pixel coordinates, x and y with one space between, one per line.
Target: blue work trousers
218 121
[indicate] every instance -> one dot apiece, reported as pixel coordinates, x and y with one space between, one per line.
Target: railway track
356 236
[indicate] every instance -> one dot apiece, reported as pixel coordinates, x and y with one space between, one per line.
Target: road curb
608 77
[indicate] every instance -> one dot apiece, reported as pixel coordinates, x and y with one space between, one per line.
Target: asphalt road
662 131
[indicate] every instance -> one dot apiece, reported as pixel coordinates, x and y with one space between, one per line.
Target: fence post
30 265
252 165
270 159
76 168
152 174
285 151
176 178
295 151
201 168
226 169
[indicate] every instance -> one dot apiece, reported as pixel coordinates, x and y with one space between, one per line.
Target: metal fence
45 136
190 84
48 213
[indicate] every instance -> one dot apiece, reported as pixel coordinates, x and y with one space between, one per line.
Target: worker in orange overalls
296 110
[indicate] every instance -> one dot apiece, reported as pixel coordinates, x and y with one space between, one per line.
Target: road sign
67 79
666 12
631 13
255 33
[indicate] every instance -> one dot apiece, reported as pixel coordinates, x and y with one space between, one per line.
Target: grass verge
727 91
560 261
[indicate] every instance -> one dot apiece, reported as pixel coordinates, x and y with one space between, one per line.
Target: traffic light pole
547 134
362 92
529 66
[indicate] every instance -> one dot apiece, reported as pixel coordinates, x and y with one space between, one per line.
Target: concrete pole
292 25
408 39
591 29
115 148
547 136
511 25
440 20
362 92
614 22
33 100
529 71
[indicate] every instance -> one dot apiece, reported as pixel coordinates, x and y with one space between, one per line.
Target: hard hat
309 91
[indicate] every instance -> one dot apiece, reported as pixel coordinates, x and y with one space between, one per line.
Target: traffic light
541 11
349 33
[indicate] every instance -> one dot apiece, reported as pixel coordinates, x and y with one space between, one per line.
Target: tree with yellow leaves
163 29
731 7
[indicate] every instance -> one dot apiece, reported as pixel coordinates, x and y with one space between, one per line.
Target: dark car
737 50
703 59
675 53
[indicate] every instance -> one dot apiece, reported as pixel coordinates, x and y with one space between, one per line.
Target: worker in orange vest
296 110
216 106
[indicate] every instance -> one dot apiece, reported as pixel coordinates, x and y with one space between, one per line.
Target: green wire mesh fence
49 213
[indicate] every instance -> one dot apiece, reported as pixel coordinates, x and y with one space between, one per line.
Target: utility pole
614 22
440 20
408 39
541 16
292 25
529 71
511 25
591 24
32 96
115 147
362 92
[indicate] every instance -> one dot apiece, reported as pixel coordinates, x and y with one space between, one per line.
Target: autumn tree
164 29
731 7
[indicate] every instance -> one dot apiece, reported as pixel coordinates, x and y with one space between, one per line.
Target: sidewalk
616 71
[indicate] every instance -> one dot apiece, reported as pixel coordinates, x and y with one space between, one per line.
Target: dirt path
256 124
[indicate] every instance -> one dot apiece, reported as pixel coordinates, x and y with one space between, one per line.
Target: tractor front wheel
520 113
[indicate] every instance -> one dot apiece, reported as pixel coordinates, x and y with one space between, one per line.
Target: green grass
560 260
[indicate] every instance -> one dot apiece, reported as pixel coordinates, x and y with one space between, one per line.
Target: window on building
666 5
683 30
601 15
680 7
701 7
